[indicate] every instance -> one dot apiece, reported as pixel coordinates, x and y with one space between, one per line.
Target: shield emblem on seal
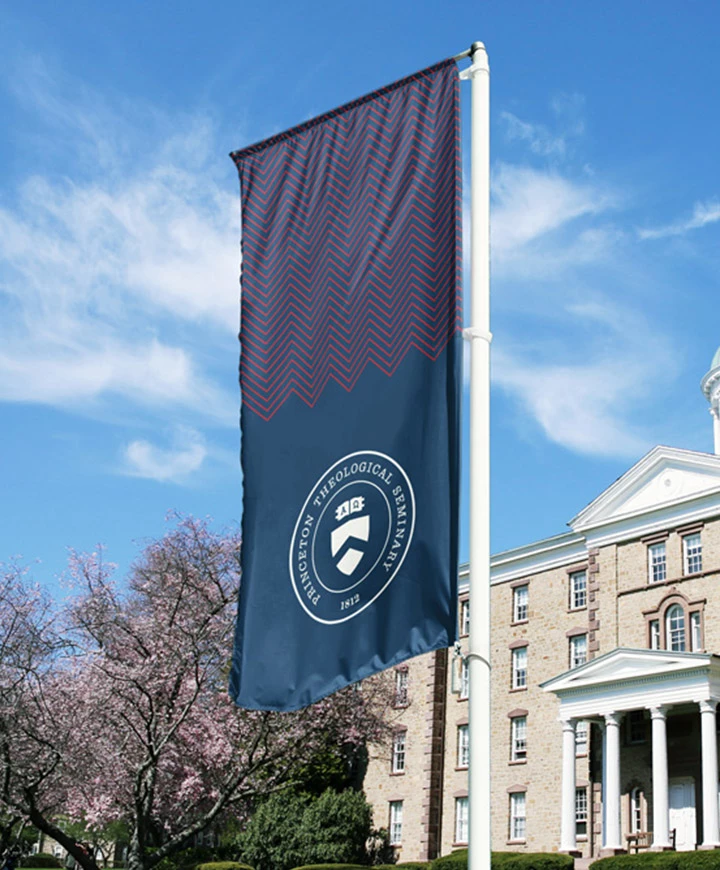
347 543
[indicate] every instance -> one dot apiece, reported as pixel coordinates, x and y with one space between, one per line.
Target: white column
661 825
611 783
711 823
568 841
715 411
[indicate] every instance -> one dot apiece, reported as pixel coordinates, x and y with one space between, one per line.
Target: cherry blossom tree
123 713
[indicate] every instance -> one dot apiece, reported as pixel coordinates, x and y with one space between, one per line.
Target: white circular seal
351 536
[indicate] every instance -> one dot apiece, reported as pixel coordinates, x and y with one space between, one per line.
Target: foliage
408 865
116 709
42 859
332 867
289 830
223 865
508 861
662 861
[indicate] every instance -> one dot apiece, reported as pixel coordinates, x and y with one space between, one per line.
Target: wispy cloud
704 213
166 464
537 224
110 280
539 138
587 398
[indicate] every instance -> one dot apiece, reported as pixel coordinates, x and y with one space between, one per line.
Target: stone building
605 681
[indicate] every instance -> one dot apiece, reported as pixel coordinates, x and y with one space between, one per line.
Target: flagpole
479 839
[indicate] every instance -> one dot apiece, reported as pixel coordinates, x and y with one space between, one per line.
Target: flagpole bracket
470 333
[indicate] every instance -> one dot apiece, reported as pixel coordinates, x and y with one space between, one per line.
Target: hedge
661 861
42 859
407 865
333 867
508 861
223 865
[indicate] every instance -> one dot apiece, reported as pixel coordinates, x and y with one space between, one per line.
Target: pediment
664 477
622 665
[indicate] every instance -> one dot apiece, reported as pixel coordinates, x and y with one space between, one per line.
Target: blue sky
119 243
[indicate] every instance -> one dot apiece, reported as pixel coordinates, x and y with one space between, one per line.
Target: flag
350 374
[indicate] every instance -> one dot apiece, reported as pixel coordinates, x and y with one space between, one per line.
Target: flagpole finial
476 46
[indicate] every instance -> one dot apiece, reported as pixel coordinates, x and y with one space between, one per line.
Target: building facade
605 682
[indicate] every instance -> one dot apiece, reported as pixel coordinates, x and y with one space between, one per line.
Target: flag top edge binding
242 153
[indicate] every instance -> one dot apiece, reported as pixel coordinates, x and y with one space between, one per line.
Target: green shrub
457 860
407 865
531 861
43 859
223 865
332 867
661 861
508 861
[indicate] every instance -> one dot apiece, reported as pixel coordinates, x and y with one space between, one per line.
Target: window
396 819
695 631
581 737
465 617
675 628
636 726
519 668
657 562
692 553
398 752
636 824
520 603
578 650
463 746
578 590
654 633
518 738
581 812
517 815
461 820
464 679
401 687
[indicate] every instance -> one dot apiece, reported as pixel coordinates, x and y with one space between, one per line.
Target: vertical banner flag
350 368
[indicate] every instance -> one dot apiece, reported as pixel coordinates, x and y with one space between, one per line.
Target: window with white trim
675 628
520 603
464 679
578 650
581 737
465 617
519 668
654 633
657 562
463 746
696 643
401 687
461 820
692 553
398 752
578 590
518 738
396 822
517 815
581 812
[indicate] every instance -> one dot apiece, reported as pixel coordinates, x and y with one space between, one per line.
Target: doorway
682 813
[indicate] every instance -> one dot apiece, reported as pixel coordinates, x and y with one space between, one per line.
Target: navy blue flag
350 374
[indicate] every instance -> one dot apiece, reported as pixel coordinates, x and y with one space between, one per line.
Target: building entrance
682 813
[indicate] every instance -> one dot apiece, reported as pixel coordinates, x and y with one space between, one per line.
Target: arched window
675 628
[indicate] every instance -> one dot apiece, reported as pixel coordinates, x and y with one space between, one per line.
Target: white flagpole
479 839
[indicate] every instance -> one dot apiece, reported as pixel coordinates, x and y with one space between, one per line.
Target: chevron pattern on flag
350 242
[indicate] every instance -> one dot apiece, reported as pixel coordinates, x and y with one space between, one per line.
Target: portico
608 689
